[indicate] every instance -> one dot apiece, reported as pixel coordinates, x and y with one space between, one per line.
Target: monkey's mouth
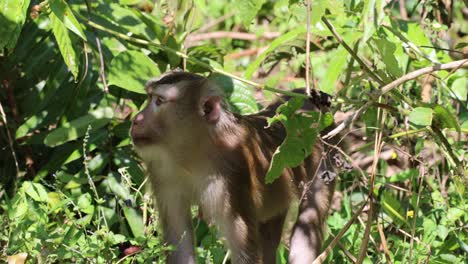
141 140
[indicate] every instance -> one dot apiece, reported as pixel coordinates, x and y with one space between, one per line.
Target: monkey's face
177 115
154 123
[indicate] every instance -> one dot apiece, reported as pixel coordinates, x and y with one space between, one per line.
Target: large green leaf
275 44
239 95
247 10
63 12
12 16
65 43
421 116
131 70
123 19
77 128
302 131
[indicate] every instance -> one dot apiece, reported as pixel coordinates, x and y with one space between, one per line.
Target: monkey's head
181 107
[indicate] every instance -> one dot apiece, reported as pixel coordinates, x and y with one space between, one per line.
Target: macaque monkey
198 152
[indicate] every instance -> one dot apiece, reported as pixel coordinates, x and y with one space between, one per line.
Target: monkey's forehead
173 77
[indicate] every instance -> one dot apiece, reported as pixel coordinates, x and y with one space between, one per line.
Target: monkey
198 152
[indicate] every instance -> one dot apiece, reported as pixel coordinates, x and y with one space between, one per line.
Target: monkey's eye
158 100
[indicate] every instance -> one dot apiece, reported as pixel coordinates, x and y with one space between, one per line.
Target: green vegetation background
72 76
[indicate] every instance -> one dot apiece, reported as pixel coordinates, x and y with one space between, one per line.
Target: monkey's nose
139 119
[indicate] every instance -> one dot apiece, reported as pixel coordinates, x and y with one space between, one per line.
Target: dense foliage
72 76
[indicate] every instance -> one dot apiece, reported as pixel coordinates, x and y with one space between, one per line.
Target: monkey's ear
211 108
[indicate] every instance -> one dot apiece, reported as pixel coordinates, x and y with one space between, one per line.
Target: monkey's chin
148 151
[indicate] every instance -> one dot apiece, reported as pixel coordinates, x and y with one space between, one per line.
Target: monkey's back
273 199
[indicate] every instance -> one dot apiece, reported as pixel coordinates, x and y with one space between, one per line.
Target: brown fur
221 165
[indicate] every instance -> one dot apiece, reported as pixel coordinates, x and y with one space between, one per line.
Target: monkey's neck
228 133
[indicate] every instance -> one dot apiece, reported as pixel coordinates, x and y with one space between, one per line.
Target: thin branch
344 249
102 72
308 50
340 40
10 139
245 53
377 150
337 238
410 44
415 74
191 59
386 88
215 22
231 35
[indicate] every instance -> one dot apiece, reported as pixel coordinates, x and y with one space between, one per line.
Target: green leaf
387 51
421 116
392 207
65 43
204 53
454 214
135 221
459 89
335 68
442 232
30 124
131 70
449 258
239 95
85 203
247 10
402 176
12 16
35 191
63 12
272 47
302 130
118 188
445 118
77 128
372 17
123 19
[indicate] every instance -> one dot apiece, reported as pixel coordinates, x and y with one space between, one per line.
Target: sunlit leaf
393 208
85 203
135 221
459 88
65 43
247 10
239 95
302 131
334 69
35 191
12 16
131 70
421 116
77 128
387 51
63 12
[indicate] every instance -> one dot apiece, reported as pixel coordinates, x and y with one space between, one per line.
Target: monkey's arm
174 212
